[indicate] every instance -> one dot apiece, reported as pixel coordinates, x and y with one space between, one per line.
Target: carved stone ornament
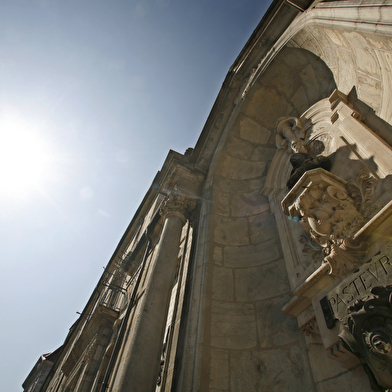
176 203
331 211
367 333
311 327
290 135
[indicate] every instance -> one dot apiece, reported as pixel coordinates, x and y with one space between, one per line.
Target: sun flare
23 157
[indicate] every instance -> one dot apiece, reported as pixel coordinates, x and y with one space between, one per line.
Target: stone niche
335 221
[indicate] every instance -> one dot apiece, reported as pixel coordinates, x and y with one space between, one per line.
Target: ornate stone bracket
331 211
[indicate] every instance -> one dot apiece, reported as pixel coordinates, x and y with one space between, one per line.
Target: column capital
177 204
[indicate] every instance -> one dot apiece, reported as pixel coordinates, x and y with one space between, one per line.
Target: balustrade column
139 364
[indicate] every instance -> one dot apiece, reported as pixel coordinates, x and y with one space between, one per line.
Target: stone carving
176 203
290 135
311 327
311 247
363 193
367 333
331 211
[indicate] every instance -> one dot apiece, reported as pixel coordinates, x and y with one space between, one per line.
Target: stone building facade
260 259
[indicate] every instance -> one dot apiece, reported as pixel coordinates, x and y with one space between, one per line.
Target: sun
24 157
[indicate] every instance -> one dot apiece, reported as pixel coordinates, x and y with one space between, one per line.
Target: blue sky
102 90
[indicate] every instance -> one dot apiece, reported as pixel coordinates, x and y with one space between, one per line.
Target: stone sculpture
327 209
367 333
290 135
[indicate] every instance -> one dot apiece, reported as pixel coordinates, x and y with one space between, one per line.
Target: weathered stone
326 83
300 100
229 185
369 90
239 148
219 374
267 105
258 283
274 327
347 381
262 227
239 169
249 256
281 76
309 78
233 325
268 371
365 57
248 204
257 184
263 154
231 231
222 203
222 284
218 254
345 80
323 367
336 38
378 42
253 132
295 59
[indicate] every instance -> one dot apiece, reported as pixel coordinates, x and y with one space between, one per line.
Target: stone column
139 364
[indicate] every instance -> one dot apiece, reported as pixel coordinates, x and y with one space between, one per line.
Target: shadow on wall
379 126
